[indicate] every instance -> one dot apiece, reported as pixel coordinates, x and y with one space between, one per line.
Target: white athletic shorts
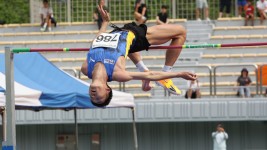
202 4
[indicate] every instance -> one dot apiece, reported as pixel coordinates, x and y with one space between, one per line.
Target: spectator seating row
235 21
73 26
240 30
78 43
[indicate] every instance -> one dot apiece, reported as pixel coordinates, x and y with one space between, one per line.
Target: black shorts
193 96
140 41
227 4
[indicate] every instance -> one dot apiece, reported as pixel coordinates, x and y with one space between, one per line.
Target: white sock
167 68
45 25
141 66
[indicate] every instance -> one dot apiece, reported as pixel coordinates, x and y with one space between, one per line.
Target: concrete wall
152 136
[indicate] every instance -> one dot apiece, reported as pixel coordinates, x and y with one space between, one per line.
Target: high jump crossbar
19 50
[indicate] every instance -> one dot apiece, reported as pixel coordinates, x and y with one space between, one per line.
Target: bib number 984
106 40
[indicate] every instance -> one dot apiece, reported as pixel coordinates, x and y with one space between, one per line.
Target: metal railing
228 66
76 74
212 75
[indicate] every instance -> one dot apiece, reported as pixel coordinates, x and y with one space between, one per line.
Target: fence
82 10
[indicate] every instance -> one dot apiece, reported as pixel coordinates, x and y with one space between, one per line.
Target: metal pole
69 10
32 11
134 130
123 87
214 80
210 81
236 8
3 115
174 9
76 129
10 143
257 84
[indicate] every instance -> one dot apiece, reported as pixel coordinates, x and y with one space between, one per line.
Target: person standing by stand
219 138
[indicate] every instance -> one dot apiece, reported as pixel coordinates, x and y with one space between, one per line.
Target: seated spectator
97 16
225 4
162 17
202 4
262 10
241 4
2 22
47 18
193 91
249 10
243 81
140 12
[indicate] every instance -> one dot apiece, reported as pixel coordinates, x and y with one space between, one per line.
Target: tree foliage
15 11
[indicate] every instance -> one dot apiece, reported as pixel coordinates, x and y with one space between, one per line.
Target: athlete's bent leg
161 34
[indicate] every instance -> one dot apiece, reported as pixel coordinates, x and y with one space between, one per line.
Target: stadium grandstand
163 121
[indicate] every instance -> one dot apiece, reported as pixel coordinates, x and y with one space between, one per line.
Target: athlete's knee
179 33
181 30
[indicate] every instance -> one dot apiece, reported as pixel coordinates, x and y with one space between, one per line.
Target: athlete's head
100 94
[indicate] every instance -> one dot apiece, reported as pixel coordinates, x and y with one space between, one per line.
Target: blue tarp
38 83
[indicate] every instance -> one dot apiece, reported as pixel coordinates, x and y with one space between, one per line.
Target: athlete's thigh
160 34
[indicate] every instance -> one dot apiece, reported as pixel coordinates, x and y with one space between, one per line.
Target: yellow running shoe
168 85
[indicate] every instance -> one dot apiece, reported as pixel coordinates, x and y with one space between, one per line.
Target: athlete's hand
146 84
188 76
104 14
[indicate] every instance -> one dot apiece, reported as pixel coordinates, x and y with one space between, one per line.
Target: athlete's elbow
84 68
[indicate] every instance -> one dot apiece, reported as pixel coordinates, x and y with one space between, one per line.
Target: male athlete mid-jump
107 56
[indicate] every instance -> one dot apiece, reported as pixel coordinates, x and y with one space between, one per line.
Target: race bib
106 40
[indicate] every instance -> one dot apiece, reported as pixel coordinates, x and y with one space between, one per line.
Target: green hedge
15 11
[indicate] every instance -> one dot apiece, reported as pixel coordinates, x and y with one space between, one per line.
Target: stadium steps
198 32
80 43
225 39
70 60
234 58
235 22
240 30
236 50
57 35
73 26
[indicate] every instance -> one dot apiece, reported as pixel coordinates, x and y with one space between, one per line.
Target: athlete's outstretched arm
152 76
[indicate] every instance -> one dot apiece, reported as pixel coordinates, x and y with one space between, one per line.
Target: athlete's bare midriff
119 67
